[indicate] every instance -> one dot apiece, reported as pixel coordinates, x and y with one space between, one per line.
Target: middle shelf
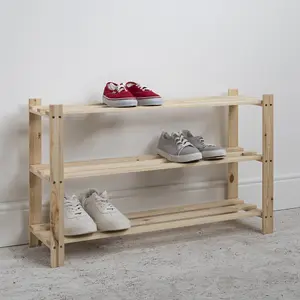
110 166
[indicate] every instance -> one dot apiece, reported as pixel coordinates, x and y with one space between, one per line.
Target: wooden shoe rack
56 172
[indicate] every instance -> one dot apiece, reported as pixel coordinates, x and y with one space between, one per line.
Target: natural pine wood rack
57 171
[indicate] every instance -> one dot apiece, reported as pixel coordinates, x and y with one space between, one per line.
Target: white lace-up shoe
76 220
106 216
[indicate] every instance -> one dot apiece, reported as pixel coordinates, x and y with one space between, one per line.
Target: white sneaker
106 216
77 221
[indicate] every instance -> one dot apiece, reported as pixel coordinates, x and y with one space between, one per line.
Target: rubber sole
74 232
214 154
180 158
120 103
150 102
109 227
214 158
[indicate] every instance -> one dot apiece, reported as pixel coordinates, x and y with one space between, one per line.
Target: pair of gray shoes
183 147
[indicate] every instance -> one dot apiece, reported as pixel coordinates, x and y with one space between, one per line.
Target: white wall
65 51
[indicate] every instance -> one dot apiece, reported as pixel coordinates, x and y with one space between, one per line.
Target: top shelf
194 102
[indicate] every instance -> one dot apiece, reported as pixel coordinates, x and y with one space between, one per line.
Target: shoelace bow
104 202
202 142
182 142
73 206
121 87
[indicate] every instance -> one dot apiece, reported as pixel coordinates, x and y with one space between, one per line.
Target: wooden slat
40 227
167 211
57 186
35 183
191 214
145 164
101 161
271 163
42 233
165 226
172 210
195 102
180 209
233 141
97 168
157 220
235 149
231 152
233 128
268 161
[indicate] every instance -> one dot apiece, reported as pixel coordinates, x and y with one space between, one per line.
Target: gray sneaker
209 151
177 148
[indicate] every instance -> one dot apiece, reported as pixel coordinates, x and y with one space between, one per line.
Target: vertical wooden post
233 141
57 186
267 168
35 183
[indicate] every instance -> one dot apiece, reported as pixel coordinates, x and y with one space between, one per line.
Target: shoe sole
180 158
214 158
214 154
120 103
150 102
79 232
112 227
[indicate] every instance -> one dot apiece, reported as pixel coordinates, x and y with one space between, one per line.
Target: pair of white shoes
91 212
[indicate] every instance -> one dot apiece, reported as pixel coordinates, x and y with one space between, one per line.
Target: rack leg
57 248
267 168
35 183
233 141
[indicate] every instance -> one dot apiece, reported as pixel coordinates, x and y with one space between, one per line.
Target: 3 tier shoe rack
57 171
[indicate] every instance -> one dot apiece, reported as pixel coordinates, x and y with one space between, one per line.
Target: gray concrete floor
231 260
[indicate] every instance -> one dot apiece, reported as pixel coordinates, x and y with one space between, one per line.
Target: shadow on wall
14 156
114 135
130 134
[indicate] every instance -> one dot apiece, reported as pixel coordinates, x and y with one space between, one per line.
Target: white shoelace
143 88
121 87
73 205
102 202
181 142
201 141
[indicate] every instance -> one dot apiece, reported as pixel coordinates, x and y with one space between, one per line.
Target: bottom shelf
163 219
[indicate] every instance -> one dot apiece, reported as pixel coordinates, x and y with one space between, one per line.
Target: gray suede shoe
209 151
176 148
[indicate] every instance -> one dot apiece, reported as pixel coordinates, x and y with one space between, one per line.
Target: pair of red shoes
129 94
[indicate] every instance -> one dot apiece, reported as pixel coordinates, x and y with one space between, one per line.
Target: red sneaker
118 96
143 95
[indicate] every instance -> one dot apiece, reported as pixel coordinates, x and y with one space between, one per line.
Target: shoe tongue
73 199
130 84
112 86
69 198
90 192
103 196
187 133
175 134
199 138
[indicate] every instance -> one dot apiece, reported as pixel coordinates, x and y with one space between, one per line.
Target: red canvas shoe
118 96
143 95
